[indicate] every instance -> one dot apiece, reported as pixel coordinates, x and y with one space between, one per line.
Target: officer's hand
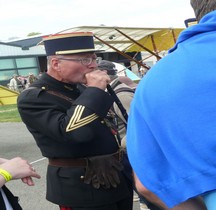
103 171
98 79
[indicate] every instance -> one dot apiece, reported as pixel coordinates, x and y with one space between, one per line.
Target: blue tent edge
131 75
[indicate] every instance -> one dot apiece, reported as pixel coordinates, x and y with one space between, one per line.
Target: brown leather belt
81 162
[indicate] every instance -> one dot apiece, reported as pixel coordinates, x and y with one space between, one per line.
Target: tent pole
137 43
174 36
154 45
122 53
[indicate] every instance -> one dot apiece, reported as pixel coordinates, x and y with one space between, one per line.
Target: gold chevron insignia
76 121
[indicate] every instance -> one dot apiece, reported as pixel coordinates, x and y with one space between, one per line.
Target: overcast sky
21 17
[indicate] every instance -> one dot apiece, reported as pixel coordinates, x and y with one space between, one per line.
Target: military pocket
72 185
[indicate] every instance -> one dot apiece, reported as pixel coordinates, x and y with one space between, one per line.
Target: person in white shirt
13 83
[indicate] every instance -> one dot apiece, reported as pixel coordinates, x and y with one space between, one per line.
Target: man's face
72 68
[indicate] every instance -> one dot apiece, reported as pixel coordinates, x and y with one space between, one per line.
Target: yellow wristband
7 176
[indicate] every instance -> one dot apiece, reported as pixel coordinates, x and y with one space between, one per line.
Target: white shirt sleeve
7 204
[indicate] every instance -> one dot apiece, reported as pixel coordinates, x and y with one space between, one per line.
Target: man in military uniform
70 125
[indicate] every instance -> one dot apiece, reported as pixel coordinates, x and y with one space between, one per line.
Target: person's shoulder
122 88
126 80
29 94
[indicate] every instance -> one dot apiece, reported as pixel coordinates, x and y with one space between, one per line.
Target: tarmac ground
15 140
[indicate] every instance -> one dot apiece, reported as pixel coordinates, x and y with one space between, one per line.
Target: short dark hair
202 7
108 66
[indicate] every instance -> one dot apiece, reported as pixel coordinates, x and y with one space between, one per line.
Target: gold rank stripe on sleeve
76 121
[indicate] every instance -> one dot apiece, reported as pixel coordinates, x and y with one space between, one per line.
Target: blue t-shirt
171 135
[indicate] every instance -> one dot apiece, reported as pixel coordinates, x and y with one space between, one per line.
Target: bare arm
148 194
2 160
18 169
191 204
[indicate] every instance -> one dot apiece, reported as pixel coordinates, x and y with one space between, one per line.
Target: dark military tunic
67 122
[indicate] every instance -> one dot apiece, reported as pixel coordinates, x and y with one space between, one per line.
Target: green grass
9 113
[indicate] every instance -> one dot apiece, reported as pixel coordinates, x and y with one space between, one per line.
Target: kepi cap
69 43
